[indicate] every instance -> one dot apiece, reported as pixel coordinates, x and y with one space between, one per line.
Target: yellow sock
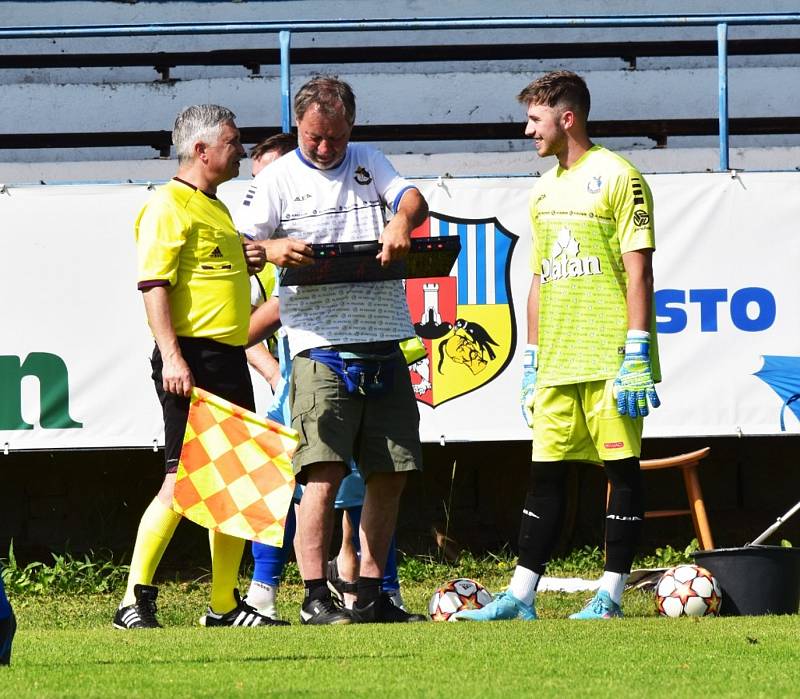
155 532
226 555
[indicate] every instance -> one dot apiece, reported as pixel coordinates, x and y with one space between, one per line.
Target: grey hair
329 94
200 122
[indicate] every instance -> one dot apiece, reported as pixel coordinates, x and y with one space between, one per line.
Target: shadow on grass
238 659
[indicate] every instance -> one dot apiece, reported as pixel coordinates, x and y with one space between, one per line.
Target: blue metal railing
285 39
285 29
722 89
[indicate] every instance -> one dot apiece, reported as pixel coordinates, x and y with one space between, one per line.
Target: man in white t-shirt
350 392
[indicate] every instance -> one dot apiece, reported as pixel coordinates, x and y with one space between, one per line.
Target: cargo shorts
380 433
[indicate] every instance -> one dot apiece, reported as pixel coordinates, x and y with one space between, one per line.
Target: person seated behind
270 149
343 569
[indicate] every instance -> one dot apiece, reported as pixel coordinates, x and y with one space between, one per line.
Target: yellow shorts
580 422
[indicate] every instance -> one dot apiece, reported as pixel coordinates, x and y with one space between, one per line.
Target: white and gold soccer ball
688 590
456 596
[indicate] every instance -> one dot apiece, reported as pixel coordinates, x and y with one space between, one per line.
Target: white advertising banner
74 346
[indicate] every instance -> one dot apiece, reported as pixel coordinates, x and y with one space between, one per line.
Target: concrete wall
128 99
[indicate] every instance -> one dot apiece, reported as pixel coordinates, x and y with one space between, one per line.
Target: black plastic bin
755 579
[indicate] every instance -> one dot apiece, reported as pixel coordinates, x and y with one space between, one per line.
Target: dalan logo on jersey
466 320
564 260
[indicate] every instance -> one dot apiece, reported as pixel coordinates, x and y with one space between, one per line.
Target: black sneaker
336 585
241 615
141 614
383 611
324 611
8 627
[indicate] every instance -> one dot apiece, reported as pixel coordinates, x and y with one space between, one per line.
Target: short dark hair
559 88
283 143
329 94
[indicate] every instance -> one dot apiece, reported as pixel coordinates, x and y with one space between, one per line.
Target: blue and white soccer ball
456 596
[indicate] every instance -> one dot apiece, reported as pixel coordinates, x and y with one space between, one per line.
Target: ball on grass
455 596
688 590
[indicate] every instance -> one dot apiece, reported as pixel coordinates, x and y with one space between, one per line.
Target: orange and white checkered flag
235 472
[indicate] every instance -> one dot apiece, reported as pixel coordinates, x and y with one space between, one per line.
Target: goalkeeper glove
634 385
530 364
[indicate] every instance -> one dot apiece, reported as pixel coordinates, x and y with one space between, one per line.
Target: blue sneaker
504 606
601 606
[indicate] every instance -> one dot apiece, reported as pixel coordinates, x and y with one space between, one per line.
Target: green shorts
580 422
380 433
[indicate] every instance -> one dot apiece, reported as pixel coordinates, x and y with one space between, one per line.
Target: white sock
523 584
262 597
614 585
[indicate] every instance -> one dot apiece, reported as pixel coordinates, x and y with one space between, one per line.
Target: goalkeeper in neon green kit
591 362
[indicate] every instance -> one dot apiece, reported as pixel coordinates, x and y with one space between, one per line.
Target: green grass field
66 647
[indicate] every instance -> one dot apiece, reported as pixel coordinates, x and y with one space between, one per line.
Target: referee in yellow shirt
193 275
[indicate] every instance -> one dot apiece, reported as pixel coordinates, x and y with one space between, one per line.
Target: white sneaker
263 598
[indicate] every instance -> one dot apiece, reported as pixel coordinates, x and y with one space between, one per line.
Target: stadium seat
688 464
